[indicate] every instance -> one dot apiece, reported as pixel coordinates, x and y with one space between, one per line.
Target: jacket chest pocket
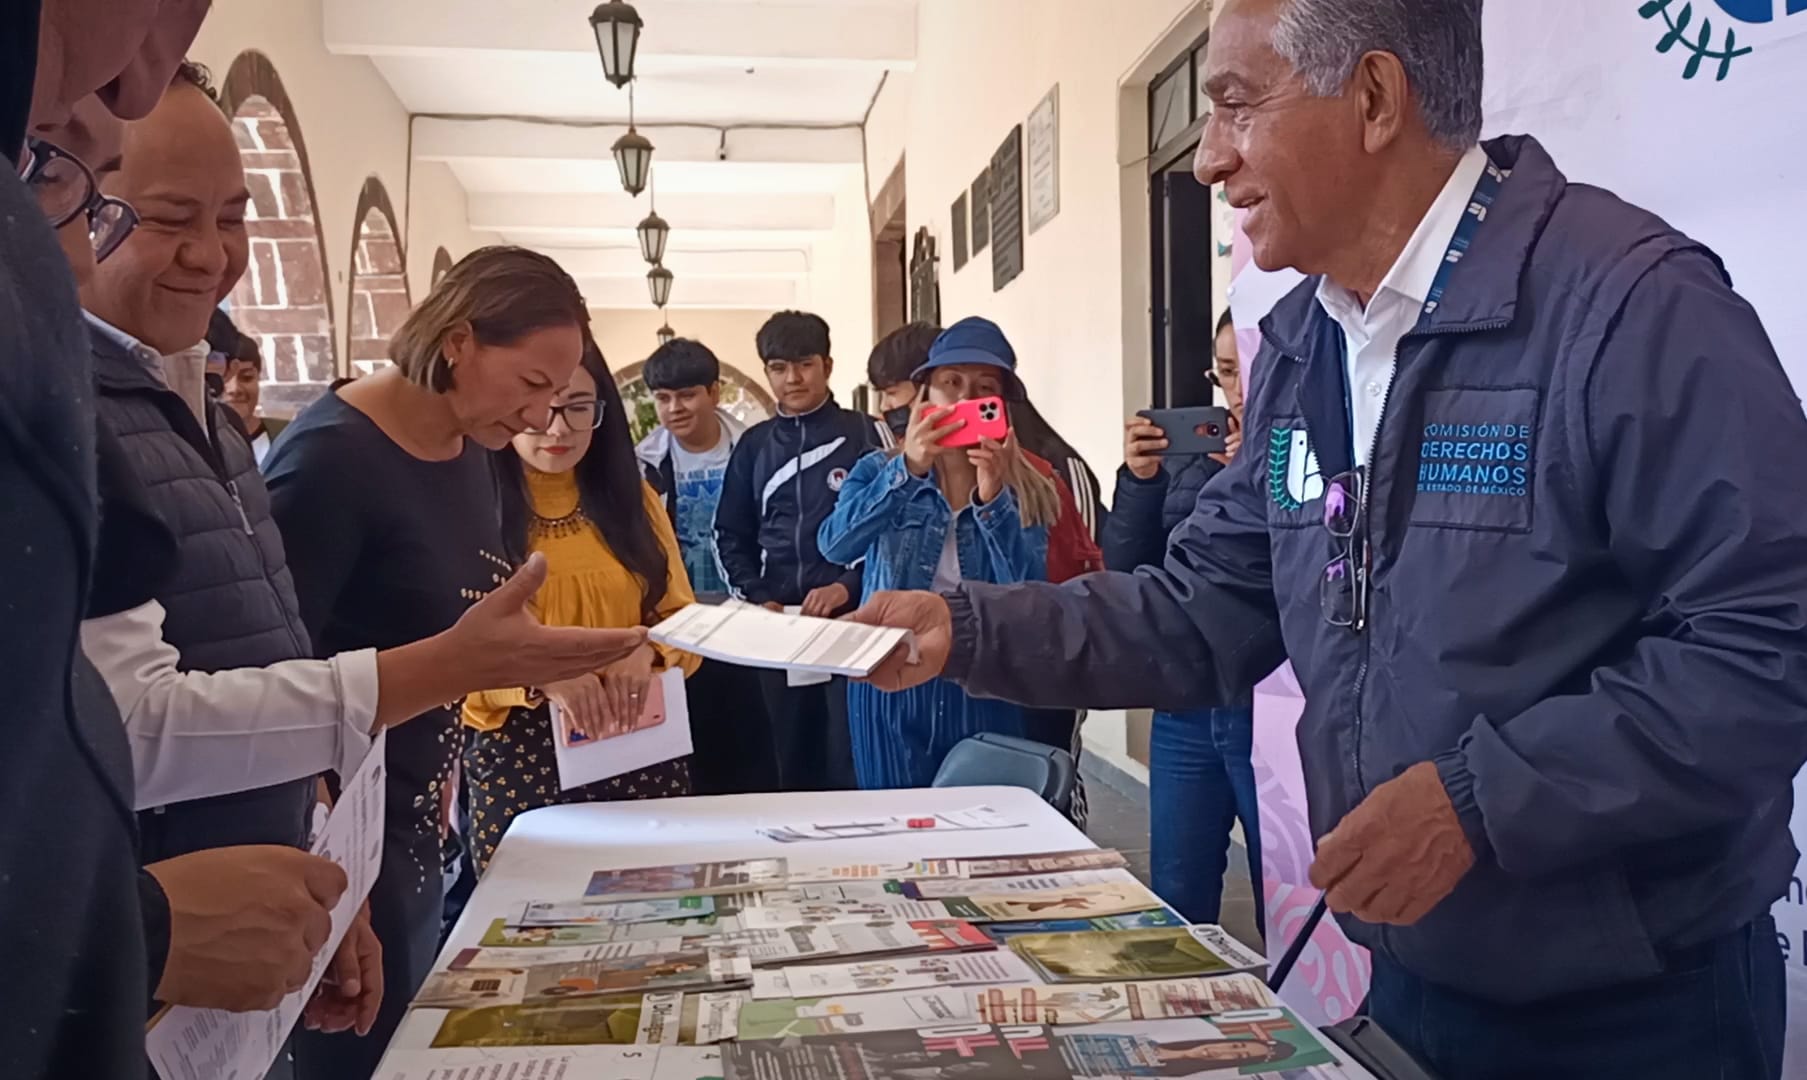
1476 459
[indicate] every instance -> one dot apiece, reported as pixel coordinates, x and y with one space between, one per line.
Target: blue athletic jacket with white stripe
783 479
1589 593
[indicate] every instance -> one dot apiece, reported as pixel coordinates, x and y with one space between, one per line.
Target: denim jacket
898 523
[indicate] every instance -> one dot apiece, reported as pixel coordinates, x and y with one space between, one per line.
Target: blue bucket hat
974 340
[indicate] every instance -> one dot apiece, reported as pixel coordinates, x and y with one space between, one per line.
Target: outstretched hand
926 616
500 642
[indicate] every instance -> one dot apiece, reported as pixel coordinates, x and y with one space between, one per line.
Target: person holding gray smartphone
1200 779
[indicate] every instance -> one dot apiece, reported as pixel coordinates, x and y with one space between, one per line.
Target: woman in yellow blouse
574 492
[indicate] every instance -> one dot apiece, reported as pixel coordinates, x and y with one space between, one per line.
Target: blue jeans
1200 781
1717 1013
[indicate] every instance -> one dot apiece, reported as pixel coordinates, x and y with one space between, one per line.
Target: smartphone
1204 429
985 419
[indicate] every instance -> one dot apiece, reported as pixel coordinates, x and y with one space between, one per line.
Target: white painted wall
435 218
354 127
980 69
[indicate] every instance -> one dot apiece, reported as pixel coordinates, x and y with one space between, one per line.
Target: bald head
180 170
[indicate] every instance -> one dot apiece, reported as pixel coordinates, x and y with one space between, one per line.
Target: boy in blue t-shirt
685 459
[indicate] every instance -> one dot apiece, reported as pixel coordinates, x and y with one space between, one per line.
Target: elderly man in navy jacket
1519 499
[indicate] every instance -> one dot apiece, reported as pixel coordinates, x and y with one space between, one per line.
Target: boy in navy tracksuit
782 482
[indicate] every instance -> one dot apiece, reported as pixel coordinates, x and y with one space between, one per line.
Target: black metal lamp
666 334
654 231
617 29
658 282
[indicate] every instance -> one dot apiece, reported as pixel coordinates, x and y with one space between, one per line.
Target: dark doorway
890 257
1180 238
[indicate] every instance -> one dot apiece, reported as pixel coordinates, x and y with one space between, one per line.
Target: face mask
898 420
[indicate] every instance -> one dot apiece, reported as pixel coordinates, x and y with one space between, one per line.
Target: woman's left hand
624 686
993 460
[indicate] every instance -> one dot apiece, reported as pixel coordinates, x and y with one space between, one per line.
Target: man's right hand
925 615
498 642
244 924
1143 441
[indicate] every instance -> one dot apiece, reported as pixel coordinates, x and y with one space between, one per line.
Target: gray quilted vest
230 603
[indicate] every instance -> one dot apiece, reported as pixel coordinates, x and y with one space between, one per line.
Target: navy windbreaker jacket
782 482
1589 604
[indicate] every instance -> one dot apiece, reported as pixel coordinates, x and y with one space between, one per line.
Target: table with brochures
549 857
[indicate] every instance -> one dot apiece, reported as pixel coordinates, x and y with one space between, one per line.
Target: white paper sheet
604 759
211 1044
754 637
585 913
798 677
927 825
934 890
900 973
843 911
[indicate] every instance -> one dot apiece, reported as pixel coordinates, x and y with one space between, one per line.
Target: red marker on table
921 823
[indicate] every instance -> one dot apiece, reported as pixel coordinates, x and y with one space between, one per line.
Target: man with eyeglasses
1519 503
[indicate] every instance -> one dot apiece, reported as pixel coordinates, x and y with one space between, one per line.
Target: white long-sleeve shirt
196 734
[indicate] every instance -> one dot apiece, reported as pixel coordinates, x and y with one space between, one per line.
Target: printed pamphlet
1139 920
713 1016
1105 1003
902 973
1076 902
584 1021
501 935
1248 1043
1050 863
979 817
1132 955
688 879
585 913
828 912
1041 883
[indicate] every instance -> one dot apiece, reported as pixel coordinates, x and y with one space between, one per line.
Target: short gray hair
1437 41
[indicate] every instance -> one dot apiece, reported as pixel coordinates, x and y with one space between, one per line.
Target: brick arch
379 281
284 299
442 262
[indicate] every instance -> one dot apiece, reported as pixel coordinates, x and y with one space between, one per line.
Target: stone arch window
442 261
283 300
744 398
379 281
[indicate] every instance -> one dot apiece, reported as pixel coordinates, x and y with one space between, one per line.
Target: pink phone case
985 419
651 715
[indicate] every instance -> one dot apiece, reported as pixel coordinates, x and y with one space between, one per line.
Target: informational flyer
1044 883
585 913
1105 1003
828 912
900 973
928 824
211 1044
687 879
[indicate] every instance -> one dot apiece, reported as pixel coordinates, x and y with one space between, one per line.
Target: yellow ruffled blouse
586 585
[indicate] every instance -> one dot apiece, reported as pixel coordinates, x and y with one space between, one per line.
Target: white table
549 854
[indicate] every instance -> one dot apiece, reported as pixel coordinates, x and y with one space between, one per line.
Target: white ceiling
753 107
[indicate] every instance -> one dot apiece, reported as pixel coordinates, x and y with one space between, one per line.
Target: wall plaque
1044 161
960 253
1007 210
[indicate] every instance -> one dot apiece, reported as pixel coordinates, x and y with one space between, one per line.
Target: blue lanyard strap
1485 193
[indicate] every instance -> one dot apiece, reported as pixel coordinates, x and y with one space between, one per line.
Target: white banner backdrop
1695 109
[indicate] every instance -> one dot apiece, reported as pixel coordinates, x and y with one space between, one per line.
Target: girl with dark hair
573 492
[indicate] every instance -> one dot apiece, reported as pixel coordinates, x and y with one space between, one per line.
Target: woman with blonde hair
924 515
387 500
572 491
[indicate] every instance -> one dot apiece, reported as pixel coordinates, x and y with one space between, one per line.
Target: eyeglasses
65 187
1343 588
577 415
1218 378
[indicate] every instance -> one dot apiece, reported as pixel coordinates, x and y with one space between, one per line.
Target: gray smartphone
1204 429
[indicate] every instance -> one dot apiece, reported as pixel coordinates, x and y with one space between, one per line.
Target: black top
387 549
782 483
70 890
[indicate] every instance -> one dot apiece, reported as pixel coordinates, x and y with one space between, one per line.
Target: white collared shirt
184 372
1371 337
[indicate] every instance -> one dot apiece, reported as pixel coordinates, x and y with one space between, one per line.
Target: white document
211 1044
880 891
864 939
875 872
718 1015
754 637
520 1063
795 677
901 973
604 759
933 890
659 1019
927 825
